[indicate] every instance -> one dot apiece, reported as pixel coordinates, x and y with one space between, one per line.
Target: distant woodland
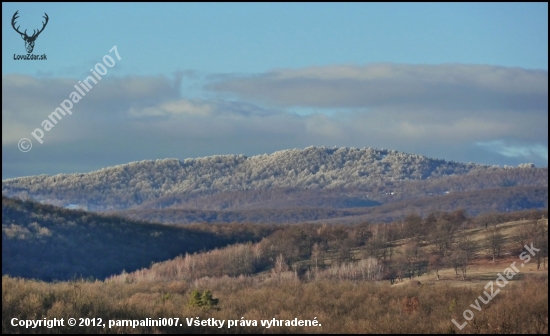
475 202
312 177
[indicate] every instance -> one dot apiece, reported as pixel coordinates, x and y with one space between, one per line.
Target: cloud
453 103
176 107
483 114
27 101
516 150
447 86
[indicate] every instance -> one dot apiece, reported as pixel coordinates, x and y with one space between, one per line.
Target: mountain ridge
313 168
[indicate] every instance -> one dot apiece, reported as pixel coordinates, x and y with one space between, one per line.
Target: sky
122 82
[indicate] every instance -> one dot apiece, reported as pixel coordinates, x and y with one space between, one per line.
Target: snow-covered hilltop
131 184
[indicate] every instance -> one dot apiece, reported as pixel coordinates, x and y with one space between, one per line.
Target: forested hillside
46 242
376 171
350 197
473 202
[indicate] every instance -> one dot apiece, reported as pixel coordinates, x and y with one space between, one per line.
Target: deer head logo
29 40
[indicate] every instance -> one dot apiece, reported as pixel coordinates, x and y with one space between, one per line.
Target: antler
43 26
15 17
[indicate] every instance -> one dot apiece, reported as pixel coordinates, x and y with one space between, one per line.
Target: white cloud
176 107
516 150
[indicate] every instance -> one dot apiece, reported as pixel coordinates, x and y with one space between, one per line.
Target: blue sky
463 82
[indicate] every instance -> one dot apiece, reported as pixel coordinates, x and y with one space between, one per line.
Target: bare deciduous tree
280 266
435 264
539 237
495 241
